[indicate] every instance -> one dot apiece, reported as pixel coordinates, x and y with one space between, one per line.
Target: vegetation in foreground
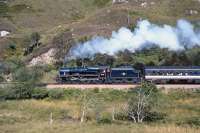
104 111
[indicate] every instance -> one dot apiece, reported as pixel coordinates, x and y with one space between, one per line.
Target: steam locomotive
120 75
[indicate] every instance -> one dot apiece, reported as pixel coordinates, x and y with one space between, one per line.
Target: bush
122 116
22 91
193 121
96 90
104 120
18 8
101 3
12 46
155 116
56 94
4 93
19 91
39 93
178 95
72 93
3 9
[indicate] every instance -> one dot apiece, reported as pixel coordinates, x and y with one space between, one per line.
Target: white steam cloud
144 35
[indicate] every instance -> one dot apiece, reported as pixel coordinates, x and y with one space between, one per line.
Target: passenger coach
173 74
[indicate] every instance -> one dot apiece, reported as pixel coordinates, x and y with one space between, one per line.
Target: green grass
181 109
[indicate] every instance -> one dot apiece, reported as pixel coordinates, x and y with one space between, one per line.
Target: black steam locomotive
107 75
99 75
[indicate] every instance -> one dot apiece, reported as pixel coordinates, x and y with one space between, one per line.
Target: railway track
121 86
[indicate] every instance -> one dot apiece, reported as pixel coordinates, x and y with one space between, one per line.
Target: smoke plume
144 35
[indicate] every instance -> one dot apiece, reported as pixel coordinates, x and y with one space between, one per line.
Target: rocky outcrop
119 1
45 58
4 33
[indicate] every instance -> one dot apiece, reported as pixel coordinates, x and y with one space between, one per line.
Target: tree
30 42
194 57
171 59
11 65
124 58
90 101
184 59
26 80
178 59
140 106
35 38
139 66
103 59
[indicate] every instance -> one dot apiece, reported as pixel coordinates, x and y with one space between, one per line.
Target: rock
8 78
108 11
193 12
46 58
4 33
144 4
119 1
152 3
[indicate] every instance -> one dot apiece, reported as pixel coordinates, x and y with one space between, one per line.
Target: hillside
38 37
79 20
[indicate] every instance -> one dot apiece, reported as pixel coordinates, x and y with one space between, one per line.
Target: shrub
104 120
18 8
101 3
177 95
193 121
3 8
155 116
17 91
72 93
96 90
56 94
3 93
12 46
122 116
39 93
21 91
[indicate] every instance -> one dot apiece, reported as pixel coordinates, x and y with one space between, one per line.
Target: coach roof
172 68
